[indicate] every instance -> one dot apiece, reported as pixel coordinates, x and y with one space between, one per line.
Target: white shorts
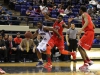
42 46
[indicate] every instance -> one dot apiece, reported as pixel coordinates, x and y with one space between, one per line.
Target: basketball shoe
48 65
74 55
84 68
2 71
90 62
39 64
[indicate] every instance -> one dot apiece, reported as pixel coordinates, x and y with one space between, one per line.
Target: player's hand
22 49
68 43
70 19
33 50
80 32
60 37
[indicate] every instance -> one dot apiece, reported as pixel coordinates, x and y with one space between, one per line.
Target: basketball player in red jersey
86 41
59 25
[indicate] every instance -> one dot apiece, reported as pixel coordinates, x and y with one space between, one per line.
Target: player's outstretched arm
35 34
52 29
69 23
49 18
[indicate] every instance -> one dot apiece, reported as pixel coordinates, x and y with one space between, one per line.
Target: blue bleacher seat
23 12
17 7
54 15
28 6
75 10
97 23
35 6
24 6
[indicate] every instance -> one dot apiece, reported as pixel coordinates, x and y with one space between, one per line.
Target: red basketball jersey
90 23
58 27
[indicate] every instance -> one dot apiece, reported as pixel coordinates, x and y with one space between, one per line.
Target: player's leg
50 45
85 66
39 53
63 51
85 44
70 48
90 62
83 54
74 47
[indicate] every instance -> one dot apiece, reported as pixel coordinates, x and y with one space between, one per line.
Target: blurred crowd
16 48
36 8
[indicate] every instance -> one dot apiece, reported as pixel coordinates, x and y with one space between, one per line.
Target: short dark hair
60 16
39 22
83 8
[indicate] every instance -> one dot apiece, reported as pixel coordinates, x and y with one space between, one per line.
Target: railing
27 21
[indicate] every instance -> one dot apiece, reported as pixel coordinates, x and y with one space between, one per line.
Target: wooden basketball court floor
59 68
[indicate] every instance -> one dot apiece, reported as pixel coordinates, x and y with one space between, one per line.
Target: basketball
28 34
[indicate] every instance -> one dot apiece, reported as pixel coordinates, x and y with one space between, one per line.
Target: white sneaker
84 68
90 63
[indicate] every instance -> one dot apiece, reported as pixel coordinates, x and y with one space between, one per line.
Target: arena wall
26 28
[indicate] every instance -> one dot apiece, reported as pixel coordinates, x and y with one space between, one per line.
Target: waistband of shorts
71 39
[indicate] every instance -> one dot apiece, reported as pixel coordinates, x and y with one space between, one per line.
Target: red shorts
87 40
54 41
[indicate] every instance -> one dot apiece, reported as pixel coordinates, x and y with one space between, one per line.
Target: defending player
86 41
59 25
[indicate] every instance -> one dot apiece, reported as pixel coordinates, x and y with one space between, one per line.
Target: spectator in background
54 7
98 5
21 1
78 17
61 10
43 2
90 10
17 39
12 49
71 38
2 11
69 2
3 50
97 40
38 11
68 10
43 8
50 8
12 4
94 15
98 13
2 33
6 37
93 2
30 12
28 47
35 2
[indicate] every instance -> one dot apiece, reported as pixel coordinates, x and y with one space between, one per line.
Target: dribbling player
46 35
